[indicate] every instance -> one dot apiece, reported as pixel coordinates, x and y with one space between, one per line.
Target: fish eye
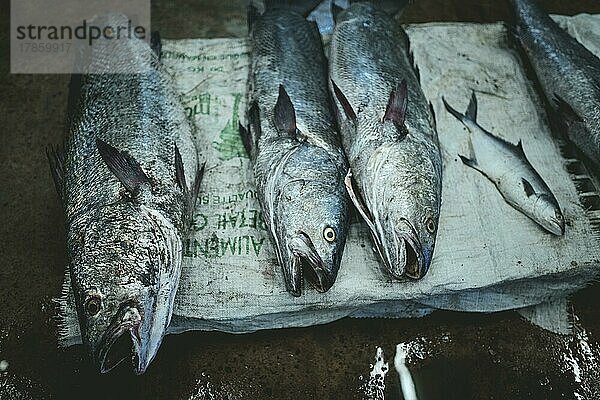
93 305
329 234
558 215
430 225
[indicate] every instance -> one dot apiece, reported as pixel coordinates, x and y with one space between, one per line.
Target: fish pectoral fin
56 158
472 108
127 170
196 189
529 190
285 115
364 212
568 114
357 201
348 110
396 107
433 117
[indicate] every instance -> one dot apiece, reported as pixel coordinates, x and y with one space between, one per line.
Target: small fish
507 167
123 181
569 74
293 143
389 136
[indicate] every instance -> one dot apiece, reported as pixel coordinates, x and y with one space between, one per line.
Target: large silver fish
123 179
569 74
389 136
293 143
506 165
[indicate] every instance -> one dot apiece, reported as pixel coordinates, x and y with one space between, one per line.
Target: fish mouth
413 255
555 226
408 259
122 341
305 260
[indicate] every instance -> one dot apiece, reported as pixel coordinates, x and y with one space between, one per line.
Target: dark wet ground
464 356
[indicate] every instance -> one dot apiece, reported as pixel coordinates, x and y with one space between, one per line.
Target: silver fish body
569 74
299 166
122 179
506 165
389 136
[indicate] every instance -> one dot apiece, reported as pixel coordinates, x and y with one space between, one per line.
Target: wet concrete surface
457 355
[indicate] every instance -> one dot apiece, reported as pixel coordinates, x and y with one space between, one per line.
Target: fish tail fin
453 111
469 116
302 7
395 8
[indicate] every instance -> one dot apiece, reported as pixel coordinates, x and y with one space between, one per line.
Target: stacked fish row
322 136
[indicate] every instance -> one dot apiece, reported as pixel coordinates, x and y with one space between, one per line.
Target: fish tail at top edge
303 7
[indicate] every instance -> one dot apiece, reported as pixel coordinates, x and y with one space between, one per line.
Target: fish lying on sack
293 143
389 135
506 165
128 179
569 74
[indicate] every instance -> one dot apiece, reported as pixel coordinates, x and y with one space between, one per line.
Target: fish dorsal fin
285 116
397 104
472 108
127 170
363 211
348 110
179 172
529 190
251 134
191 194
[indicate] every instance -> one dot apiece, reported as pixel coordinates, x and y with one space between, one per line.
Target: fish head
403 213
120 274
547 213
407 240
310 229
